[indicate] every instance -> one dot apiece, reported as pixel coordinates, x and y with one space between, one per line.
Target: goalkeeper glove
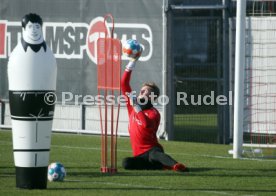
132 62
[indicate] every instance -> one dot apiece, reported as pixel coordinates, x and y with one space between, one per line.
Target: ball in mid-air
56 172
132 48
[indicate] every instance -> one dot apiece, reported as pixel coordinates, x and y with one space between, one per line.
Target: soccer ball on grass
56 172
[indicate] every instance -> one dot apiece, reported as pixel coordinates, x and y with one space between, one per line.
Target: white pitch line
198 155
121 150
150 187
117 184
219 192
140 186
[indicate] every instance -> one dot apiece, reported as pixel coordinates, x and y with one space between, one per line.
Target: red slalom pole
109 76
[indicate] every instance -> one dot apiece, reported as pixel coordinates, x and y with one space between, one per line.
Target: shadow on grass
94 172
137 173
208 172
133 188
7 171
7 167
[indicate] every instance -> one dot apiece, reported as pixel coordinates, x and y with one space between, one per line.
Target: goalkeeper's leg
140 163
157 154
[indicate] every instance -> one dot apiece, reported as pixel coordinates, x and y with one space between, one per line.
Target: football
132 48
56 172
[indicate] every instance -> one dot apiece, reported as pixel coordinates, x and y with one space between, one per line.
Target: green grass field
212 171
196 127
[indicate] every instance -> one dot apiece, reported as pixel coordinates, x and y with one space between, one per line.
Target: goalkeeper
144 120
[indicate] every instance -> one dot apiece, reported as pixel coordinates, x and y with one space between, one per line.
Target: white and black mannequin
32 75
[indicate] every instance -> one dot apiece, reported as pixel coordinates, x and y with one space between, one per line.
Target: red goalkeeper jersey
142 125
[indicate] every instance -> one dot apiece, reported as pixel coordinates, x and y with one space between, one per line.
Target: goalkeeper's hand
132 61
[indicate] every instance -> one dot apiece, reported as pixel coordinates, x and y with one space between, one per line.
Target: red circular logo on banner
97 29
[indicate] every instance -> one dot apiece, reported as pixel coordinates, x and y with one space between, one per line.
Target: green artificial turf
212 171
196 127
